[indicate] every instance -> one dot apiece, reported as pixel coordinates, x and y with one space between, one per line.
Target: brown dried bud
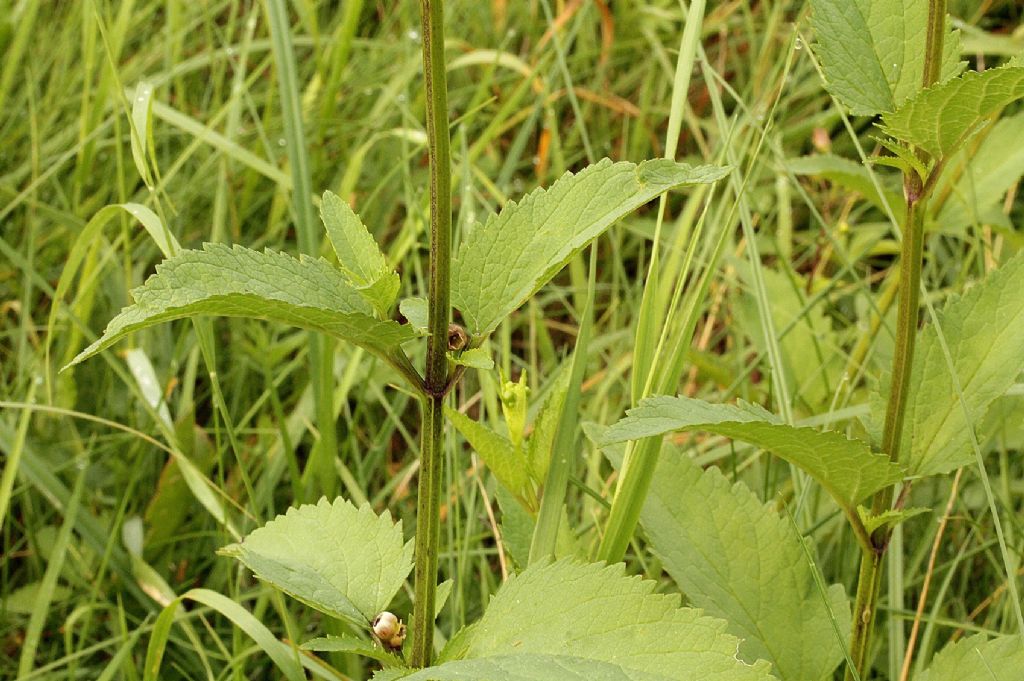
457 337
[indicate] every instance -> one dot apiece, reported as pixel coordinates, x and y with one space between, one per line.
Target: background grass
99 523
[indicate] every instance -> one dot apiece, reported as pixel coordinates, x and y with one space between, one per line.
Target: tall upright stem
869 580
909 295
439 311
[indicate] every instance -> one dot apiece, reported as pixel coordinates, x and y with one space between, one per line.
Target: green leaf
975 659
984 331
595 612
941 118
904 158
506 461
343 561
282 654
539 448
506 260
21 601
530 667
474 358
976 194
360 257
872 51
239 282
890 518
142 124
351 644
745 564
416 311
846 468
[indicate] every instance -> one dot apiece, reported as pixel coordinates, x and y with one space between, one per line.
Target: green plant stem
439 312
869 583
934 39
869 580
911 251
870 577
428 529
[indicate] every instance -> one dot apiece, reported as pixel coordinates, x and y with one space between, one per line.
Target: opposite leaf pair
499 266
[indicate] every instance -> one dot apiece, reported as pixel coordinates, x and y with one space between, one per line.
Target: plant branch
439 311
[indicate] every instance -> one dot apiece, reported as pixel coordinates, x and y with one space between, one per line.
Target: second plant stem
439 311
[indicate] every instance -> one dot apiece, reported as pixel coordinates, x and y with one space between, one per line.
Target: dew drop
413 35
798 45
281 142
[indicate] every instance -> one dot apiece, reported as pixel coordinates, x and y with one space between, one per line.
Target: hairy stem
439 312
911 255
428 529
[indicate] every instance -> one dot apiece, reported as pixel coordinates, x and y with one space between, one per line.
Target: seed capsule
386 626
458 339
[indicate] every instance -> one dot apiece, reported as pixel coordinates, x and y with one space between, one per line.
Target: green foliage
846 468
519 464
415 311
227 426
507 461
943 117
239 282
526 667
359 255
596 613
849 175
507 259
978 659
872 51
474 358
984 332
979 178
808 346
351 644
743 563
888 519
344 561
281 653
